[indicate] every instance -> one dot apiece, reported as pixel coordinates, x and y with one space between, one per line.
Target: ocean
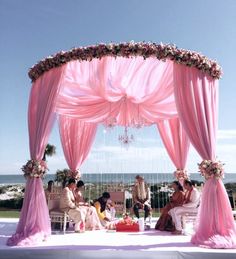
114 178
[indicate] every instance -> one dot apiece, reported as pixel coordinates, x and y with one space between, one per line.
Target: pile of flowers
34 168
127 220
181 174
128 49
127 224
209 169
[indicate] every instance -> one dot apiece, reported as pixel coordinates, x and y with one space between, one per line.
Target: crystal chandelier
125 139
110 123
139 123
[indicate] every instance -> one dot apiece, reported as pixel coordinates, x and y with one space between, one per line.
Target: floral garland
181 174
129 49
66 174
34 168
210 169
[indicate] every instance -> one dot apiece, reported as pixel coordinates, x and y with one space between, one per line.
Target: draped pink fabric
197 102
121 88
129 91
175 140
34 224
76 137
215 227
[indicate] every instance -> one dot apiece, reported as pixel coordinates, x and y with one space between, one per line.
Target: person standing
141 197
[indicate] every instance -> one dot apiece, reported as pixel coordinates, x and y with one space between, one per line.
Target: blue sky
31 30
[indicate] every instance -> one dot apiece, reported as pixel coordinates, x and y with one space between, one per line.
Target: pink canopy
103 85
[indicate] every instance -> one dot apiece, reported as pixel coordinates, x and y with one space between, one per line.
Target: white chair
118 198
189 218
56 215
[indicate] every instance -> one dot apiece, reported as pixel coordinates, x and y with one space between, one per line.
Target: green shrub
12 203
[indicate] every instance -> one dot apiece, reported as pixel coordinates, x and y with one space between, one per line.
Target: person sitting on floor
165 223
191 203
68 204
88 213
101 205
141 197
110 210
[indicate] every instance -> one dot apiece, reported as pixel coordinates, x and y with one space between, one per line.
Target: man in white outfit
67 204
191 203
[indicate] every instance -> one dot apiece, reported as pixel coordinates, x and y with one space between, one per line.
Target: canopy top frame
128 50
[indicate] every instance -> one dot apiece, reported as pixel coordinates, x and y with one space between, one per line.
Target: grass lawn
9 213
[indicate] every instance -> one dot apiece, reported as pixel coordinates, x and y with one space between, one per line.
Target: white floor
102 244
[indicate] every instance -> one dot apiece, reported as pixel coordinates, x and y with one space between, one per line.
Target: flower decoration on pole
181 175
128 50
34 168
74 174
211 169
62 176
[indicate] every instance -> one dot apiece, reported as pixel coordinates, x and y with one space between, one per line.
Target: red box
121 227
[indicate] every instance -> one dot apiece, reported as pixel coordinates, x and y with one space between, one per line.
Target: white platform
101 244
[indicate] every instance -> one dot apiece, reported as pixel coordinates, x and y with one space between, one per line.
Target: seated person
110 210
141 197
100 205
165 223
88 213
68 204
191 203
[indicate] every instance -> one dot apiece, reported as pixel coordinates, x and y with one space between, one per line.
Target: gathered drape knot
211 169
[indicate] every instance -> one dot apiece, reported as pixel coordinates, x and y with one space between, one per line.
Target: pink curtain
175 140
129 90
196 97
76 137
34 224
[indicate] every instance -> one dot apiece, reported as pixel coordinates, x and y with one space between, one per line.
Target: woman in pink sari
164 223
88 213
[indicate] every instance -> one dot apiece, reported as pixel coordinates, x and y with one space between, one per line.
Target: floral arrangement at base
34 168
211 169
181 174
127 224
128 50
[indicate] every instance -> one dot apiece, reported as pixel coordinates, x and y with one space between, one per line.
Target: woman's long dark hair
180 187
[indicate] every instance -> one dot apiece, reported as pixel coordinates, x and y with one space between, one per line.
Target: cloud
226 134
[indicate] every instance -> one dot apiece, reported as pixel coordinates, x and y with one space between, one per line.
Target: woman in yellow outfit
100 205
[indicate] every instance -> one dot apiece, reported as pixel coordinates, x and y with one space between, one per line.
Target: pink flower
146 50
34 168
